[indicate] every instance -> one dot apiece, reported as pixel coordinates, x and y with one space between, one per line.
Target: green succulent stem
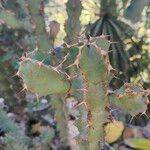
106 9
60 117
42 79
96 101
72 26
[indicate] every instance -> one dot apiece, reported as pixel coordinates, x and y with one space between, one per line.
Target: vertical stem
25 20
108 7
81 122
72 26
96 102
60 117
36 8
82 126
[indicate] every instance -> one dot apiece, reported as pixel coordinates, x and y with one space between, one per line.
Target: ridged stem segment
42 79
60 117
97 115
72 26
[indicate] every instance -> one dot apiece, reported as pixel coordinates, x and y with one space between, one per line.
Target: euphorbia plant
84 72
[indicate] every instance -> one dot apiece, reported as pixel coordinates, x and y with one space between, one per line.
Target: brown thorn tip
132 119
22 90
37 96
72 77
114 110
113 42
22 58
16 75
76 63
70 66
111 51
55 69
79 104
65 58
103 36
85 90
40 63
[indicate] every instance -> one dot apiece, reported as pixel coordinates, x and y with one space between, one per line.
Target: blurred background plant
126 23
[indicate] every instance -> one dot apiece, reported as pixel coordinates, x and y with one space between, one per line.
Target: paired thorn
113 42
111 69
112 110
41 63
119 79
84 90
101 36
56 69
71 77
76 63
24 88
69 46
79 104
144 113
109 91
65 58
89 125
110 51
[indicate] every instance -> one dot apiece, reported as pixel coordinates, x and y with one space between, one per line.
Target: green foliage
14 144
47 136
135 9
6 124
10 19
14 138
